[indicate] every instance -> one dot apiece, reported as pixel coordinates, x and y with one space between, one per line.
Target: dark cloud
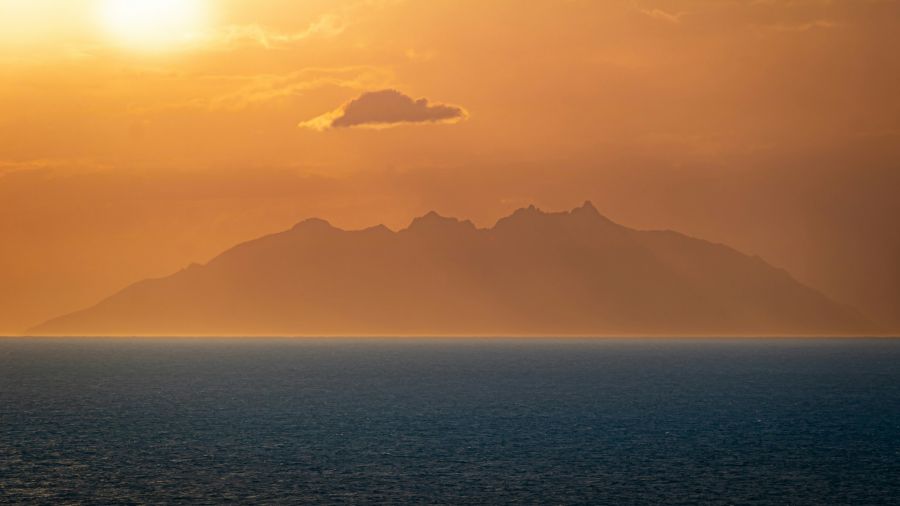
385 108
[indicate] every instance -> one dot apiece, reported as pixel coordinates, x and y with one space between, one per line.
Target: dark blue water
443 421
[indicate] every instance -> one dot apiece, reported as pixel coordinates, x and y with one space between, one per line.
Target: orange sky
133 142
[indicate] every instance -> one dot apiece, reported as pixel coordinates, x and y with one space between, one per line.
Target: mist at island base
675 421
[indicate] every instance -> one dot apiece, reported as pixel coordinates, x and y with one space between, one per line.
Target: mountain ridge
572 272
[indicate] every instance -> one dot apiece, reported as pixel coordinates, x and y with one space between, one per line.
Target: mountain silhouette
533 273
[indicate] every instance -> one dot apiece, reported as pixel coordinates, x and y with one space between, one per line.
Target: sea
450 421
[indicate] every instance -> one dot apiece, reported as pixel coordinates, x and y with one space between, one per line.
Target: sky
138 137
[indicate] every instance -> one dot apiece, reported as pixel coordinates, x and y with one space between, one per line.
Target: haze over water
450 421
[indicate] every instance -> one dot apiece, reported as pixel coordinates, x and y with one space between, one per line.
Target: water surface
450 421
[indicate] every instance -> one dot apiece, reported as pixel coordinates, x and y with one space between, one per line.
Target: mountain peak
313 224
527 216
589 212
587 207
434 221
377 229
531 209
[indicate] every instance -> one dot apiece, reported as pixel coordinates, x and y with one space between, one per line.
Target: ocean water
450 421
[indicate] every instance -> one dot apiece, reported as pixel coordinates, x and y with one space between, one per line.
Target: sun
153 24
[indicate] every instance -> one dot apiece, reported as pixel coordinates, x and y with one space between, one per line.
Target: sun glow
153 24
